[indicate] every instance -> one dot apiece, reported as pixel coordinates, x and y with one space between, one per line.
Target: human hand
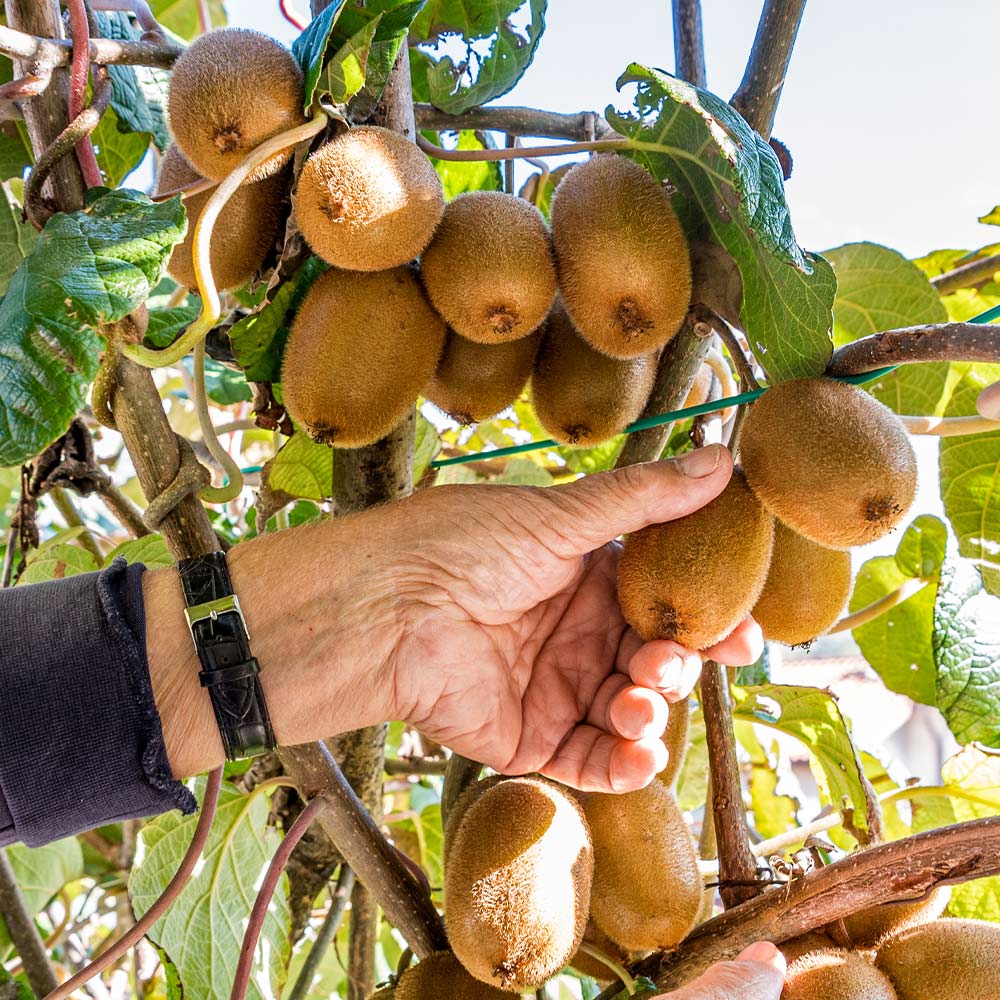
757 973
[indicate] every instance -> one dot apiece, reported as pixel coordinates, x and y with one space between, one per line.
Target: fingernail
762 951
701 462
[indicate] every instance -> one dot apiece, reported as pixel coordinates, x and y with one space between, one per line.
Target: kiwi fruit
368 200
517 883
361 349
583 397
244 232
647 889
476 381
804 943
695 579
231 90
489 270
829 460
948 959
835 974
622 257
441 975
594 967
807 587
868 928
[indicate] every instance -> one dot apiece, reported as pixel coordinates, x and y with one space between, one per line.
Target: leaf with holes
879 289
203 929
498 51
86 268
730 190
813 717
970 477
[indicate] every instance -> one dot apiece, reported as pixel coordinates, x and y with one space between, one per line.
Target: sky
887 108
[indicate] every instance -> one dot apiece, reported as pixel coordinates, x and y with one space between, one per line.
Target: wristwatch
228 669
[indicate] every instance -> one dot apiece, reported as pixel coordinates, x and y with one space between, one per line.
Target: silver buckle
210 610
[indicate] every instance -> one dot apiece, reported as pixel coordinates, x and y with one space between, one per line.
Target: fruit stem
491 155
619 970
234 475
724 374
211 308
949 426
903 593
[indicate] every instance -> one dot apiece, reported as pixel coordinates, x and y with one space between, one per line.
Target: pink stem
290 16
117 949
78 73
259 912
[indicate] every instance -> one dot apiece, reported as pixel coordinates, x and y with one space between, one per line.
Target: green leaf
899 643
967 653
302 468
730 190
86 268
203 929
600 458
426 448
992 217
813 717
118 150
480 77
16 237
150 550
692 783
524 472
457 177
165 325
310 48
223 385
345 73
970 478
182 17
773 813
138 93
57 559
879 289
258 340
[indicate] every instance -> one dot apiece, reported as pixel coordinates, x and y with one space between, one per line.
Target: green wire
668 418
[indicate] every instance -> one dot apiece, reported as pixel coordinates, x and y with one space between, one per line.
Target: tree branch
757 96
914 344
33 45
967 275
584 126
903 869
21 927
737 863
689 45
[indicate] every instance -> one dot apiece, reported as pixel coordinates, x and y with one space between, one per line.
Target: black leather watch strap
228 669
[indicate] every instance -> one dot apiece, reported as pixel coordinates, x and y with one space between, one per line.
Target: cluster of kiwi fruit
824 467
897 951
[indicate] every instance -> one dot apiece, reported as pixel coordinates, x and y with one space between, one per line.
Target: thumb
988 403
603 506
756 974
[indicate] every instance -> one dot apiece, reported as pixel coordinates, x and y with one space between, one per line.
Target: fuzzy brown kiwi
594 967
439 976
489 269
869 928
368 200
835 974
829 460
647 889
805 943
807 587
362 347
622 257
474 381
231 90
243 234
948 959
581 396
517 883
695 579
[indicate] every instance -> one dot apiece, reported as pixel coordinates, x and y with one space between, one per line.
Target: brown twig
903 869
415 765
737 864
584 126
915 344
748 377
968 275
72 517
48 53
757 96
23 932
689 44
460 773
525 153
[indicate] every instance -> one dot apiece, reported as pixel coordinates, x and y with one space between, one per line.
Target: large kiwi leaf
731 192
85 269
486 76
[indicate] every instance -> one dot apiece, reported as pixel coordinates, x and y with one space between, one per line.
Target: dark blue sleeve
80 738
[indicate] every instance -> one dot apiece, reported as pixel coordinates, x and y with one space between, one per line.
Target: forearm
320 611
